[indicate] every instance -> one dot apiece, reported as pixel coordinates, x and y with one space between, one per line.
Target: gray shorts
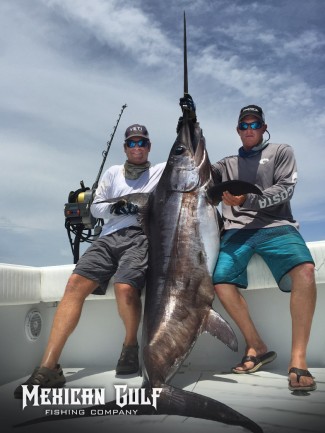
123 254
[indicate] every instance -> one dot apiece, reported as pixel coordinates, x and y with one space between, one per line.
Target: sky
68 66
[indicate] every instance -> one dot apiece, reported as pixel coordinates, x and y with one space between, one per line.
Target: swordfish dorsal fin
218 327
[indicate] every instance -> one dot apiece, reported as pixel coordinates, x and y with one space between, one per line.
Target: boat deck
95 345
263 396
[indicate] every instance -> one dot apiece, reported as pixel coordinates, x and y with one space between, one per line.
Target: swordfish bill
181 222
185 59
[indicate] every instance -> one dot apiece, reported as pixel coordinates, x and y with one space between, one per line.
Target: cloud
308 43
251 81
120 25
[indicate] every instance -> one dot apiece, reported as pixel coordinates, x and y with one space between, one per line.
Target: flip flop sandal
258 361
300 372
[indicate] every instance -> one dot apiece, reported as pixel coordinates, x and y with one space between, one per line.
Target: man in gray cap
121 250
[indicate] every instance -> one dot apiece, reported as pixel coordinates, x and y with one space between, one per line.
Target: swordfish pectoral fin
218 327
235 187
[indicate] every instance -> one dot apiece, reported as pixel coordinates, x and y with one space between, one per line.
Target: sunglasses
131 144
254 125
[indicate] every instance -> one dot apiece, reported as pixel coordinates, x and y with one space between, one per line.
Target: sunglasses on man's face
141 143
254 125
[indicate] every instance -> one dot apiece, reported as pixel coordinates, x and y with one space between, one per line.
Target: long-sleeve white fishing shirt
114 184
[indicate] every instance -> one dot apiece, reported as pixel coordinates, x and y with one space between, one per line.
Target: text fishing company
124 396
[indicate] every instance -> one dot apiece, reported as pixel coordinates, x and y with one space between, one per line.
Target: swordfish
183 230
181 221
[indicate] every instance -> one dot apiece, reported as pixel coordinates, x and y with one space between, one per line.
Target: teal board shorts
282 249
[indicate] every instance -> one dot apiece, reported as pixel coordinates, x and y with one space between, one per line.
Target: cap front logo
251 109
136 128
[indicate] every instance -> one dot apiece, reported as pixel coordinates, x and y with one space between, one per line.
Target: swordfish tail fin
175 401
171 401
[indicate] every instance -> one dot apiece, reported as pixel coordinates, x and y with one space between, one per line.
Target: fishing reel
78 218
77 210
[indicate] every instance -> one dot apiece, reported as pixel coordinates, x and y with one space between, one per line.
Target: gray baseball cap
136 130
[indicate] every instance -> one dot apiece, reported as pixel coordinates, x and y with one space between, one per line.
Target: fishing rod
105 153
78 218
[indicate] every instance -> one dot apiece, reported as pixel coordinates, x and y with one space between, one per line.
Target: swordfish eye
179 150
